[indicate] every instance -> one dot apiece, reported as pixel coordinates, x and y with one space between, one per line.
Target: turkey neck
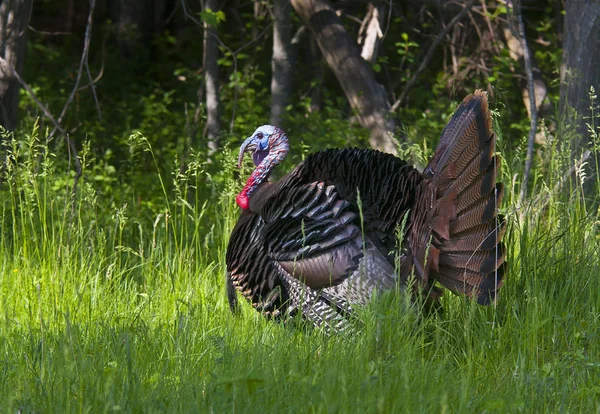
257 180
260 196
278 149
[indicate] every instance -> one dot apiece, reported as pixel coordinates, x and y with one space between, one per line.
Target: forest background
121 120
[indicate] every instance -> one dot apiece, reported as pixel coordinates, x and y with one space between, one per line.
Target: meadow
118 303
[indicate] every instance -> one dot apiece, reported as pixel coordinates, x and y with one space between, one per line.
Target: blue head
260 143
269 146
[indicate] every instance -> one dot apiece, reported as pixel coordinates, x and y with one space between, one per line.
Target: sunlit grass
103 309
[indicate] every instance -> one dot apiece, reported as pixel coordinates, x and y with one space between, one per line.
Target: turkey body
308 237
346 223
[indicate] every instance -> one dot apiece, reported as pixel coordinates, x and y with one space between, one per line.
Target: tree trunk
366 96
580 67
319 74
516 52
135 25
281 80
14 17
211 80
70 12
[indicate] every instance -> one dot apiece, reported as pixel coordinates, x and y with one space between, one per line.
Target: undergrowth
115 301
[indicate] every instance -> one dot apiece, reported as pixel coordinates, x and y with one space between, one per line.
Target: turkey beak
247 146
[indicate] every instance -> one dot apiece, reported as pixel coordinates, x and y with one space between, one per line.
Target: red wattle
243 201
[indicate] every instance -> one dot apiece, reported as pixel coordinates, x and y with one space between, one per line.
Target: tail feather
448 181
487 236
457 208
464 136
482 286
477 212
483 261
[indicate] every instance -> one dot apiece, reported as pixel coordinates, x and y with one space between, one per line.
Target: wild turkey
323 238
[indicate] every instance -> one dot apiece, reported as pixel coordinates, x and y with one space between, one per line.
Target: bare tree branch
370 34
82 63
45 33
429 55
101 70
88 35
486 16
233 54
5 67
531 87
71 147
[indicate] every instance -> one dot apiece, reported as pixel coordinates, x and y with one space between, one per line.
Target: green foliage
112 291
407 49
212 18
106 308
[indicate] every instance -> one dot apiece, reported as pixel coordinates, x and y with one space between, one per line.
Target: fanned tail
456 232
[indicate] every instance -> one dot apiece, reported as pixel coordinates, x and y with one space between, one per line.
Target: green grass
104 308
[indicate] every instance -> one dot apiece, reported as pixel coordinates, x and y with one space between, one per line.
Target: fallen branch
367 98
45 33
430 53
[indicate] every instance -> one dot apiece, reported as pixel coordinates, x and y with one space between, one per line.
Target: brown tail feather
457 208
483 261
465 135
451 183
477 212
483 286
488 234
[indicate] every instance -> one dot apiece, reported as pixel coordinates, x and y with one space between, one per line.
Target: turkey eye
259 135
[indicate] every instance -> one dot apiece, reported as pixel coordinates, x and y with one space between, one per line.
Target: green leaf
212 18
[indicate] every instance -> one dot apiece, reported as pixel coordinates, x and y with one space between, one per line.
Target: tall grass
107 309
